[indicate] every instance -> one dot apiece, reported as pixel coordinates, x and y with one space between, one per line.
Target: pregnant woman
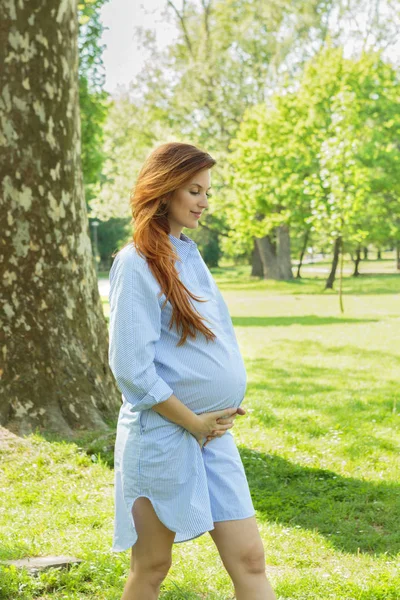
176 360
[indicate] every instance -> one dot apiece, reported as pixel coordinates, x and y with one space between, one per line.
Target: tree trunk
357 261
55 371
365 250
274 250
341 278
379 254
256 262
302 253
332 274
267 250
398 256
283 253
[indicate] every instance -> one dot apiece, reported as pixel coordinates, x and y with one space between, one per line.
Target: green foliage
90 50
208 240
93 109
198 88
128 137
323 153
358 178
94 101
209 83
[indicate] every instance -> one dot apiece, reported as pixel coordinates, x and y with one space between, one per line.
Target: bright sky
122 58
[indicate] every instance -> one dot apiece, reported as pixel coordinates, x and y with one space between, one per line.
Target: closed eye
197 193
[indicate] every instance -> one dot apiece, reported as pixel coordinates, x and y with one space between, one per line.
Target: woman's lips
198 215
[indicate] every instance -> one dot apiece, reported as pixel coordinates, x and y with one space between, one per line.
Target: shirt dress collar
183 245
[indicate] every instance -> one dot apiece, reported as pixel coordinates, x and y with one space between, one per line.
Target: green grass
320 444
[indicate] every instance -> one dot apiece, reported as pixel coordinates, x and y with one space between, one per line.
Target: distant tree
270 158
356 193
322 154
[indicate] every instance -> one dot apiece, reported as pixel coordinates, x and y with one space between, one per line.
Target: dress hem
124 548
116 548
193 534
236 518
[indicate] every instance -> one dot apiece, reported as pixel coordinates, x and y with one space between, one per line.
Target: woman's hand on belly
207 424
239 411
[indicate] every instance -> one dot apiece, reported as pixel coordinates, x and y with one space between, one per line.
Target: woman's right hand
207 427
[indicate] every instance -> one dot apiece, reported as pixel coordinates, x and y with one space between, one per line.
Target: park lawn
320 444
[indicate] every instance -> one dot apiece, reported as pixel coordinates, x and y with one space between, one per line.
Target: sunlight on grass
320 444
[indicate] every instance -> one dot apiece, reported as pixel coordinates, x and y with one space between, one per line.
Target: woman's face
188 202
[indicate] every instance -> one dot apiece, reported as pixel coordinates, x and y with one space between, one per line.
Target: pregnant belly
215 383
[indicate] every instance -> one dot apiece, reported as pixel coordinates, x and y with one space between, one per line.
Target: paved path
104 286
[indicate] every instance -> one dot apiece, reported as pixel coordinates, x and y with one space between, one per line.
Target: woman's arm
174 410
201 426
134 329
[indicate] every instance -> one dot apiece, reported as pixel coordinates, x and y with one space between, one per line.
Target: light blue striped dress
190 487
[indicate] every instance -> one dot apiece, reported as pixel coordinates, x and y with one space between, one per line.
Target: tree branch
181 18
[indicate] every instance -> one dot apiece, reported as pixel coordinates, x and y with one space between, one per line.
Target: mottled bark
256 262
54 360
336 252
274 250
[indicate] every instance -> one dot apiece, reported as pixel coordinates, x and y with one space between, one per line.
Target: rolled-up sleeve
134 329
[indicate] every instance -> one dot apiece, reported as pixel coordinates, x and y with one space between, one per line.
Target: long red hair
167 168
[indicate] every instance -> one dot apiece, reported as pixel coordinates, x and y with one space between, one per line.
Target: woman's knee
157 570
251 559
152 569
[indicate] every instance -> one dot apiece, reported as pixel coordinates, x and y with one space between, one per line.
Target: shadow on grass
173 591
295 320
356 516
365 285
97 444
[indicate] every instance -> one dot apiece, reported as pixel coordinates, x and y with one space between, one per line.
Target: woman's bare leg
242 552
151 555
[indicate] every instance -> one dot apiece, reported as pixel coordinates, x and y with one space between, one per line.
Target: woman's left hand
225 421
